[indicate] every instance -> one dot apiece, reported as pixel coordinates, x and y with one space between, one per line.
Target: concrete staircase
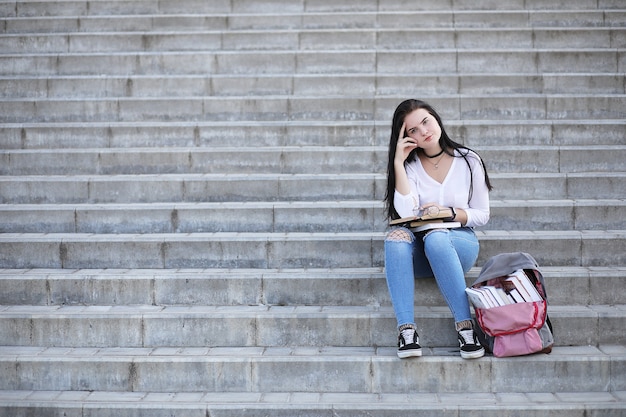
190 203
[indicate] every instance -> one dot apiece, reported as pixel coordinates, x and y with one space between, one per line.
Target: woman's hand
434 206
431 209
404 146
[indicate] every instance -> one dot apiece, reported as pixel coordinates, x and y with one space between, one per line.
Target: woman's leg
399 249
399 245
451 253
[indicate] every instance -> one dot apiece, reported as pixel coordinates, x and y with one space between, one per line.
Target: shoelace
407 335
468 336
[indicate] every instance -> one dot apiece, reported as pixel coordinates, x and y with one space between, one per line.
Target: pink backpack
515 328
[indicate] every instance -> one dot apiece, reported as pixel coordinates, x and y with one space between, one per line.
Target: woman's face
422 127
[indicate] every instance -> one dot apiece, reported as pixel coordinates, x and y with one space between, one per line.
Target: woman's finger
401 135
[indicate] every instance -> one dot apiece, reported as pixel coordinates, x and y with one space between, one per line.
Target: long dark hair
447 144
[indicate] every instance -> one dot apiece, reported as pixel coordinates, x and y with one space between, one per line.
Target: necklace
435 164
434 156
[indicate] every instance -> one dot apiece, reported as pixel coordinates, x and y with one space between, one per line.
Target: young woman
427 170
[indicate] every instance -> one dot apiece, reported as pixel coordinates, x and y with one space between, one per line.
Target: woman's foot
469 344
408 342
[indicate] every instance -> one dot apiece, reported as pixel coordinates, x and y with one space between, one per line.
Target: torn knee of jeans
400 235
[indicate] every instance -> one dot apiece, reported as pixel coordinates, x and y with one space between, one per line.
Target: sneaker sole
473 355
409 353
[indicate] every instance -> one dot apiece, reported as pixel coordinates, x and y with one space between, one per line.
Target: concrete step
306 216
444 61
283 250
314 39
291 160
147 326
156 188
300 108
315 20
354 370
159 134
244 159
305 85
326 404
281 7
566 287
262 370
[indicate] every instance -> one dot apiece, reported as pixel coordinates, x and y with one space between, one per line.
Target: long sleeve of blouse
454 191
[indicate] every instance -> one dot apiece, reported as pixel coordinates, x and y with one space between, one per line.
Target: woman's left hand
431 206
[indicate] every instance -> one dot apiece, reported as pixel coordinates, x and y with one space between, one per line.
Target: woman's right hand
404 146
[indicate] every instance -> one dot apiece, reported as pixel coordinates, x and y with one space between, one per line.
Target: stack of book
426 219
514 288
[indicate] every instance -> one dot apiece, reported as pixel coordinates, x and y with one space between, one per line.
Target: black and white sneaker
470 346
408 342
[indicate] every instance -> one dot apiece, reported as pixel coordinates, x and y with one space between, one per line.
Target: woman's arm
404 147
477 214
403 201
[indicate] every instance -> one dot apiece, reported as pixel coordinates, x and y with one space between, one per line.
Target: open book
428 218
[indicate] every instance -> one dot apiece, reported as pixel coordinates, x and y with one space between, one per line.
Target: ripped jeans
446 254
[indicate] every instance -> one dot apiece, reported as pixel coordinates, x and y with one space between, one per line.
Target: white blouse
453 192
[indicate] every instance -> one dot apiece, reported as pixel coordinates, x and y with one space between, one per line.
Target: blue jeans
446 254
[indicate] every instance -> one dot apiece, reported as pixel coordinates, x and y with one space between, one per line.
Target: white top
452 192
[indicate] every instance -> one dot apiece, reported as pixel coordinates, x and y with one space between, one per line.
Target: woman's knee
437 237
400 234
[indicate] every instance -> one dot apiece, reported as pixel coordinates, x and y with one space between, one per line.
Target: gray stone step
247 158
444 61
280 7
155 188
315 20
306 216
150 326
299 108
283 250
306 85
159 134
259 370
314 39
566 286
291 160
194 404
191 188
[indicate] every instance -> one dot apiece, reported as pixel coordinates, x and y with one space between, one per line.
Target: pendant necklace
435 164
